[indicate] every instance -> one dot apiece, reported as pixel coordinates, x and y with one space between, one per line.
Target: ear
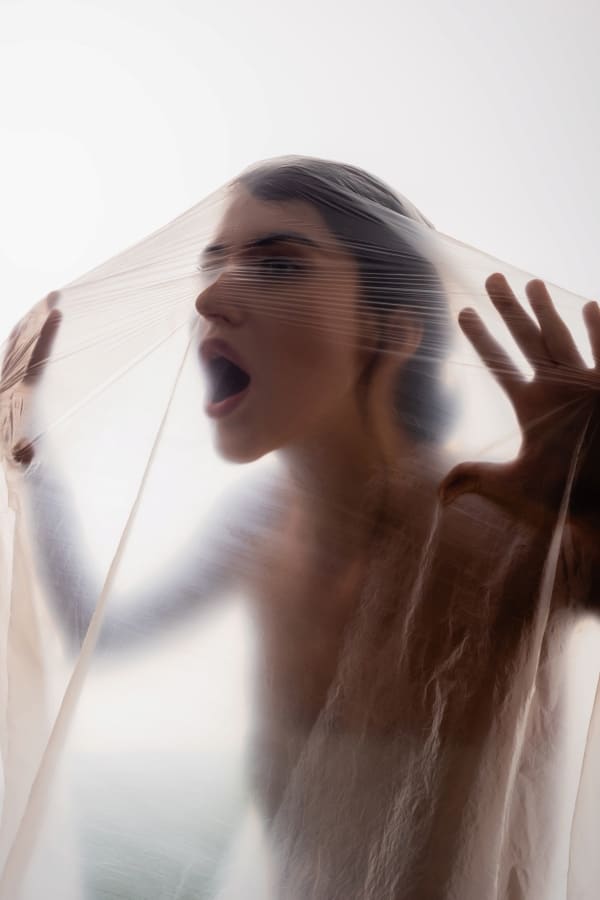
391 339
402 334
397 339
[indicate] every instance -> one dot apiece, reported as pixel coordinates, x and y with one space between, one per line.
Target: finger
43 346
591 317
12 343
17 346
52 299
491 352
556 336
524 330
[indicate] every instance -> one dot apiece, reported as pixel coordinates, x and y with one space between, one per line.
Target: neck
339 481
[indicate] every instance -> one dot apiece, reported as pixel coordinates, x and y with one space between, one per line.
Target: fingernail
496 279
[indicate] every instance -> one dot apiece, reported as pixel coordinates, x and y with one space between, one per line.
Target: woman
393 668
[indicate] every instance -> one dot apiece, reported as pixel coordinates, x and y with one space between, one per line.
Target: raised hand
558 411
29 347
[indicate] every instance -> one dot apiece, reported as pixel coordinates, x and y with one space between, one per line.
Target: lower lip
224 407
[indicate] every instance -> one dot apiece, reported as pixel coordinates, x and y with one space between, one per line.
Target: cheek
314 364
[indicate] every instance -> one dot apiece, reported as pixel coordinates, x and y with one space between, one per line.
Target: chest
382 640
386 686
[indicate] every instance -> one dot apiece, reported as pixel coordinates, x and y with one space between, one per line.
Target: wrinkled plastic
256 656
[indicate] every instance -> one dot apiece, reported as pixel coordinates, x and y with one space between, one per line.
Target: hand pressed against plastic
558 411
25 361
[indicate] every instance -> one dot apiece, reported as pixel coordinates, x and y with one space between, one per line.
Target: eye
280 266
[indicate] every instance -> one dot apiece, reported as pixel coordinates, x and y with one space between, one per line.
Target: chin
239 452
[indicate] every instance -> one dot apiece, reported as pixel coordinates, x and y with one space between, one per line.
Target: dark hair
393 273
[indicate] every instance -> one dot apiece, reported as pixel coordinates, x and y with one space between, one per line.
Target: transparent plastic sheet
247 651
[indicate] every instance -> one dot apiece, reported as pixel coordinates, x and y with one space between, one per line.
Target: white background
117 116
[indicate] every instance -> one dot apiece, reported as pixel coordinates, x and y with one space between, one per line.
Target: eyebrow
268 240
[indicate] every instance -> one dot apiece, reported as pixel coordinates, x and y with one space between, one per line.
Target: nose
218 302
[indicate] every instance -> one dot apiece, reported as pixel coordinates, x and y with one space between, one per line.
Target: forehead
248 218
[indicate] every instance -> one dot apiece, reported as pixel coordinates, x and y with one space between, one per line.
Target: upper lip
211 348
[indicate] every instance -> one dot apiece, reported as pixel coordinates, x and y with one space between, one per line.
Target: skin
554 410
307 579
304 605
302 335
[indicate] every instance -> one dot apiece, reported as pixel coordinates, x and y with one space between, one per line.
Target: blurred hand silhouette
27 353
558 411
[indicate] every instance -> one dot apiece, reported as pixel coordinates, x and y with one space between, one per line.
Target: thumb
484 479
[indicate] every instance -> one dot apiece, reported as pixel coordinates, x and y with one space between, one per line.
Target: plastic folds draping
298 564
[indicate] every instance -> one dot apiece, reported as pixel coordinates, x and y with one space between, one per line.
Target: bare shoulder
479 536
470 533
472 540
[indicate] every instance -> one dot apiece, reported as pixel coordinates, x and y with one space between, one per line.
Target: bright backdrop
116 116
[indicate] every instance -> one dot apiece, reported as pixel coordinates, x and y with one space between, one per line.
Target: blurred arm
209 566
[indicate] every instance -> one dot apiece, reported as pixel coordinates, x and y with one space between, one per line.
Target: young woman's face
282 303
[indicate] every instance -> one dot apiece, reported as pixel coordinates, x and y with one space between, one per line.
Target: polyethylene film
298 559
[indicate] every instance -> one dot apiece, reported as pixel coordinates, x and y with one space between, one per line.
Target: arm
208 567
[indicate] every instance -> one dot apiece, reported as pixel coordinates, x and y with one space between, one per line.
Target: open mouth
226 379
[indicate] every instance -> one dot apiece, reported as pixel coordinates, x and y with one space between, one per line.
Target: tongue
227 379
